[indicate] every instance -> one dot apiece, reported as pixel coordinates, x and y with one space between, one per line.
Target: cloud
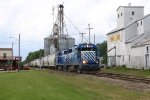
33 20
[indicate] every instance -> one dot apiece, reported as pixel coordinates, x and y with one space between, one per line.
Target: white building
129 43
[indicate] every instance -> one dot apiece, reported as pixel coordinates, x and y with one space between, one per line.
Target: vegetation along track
123 77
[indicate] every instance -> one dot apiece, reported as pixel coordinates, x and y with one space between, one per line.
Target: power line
72 24
75 27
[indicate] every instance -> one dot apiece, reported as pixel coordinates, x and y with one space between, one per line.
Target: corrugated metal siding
137 62
46 46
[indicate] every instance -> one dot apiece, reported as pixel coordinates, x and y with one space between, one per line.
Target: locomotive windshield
88 49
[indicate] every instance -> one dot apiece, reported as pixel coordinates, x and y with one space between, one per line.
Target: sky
33 20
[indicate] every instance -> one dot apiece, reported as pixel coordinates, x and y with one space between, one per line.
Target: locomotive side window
86 49
70 50
65 52
60 53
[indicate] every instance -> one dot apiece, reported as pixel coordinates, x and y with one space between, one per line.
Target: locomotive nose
88 57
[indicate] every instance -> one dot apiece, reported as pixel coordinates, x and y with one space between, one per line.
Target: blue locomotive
80 58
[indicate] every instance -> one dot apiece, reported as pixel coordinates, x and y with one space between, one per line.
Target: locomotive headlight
96 61
84 62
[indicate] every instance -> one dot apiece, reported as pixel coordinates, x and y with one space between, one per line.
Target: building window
147 49
141 22
129 58
132 12
4 55
137 24
118 15
121 14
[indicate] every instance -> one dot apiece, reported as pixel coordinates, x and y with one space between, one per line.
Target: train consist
66 56
80 58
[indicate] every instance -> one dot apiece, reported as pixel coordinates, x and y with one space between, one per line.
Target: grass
129 71
44 85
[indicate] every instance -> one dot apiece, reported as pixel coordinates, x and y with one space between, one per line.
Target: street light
18 50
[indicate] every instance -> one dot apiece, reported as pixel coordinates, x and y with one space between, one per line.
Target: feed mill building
129 43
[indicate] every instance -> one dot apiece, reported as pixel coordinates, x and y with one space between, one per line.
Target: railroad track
121 77
124 77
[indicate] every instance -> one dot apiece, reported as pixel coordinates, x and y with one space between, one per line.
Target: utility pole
82 36
89 28
19 53
53 14
18 50
12 57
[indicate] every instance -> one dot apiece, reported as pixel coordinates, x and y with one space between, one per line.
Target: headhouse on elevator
129 43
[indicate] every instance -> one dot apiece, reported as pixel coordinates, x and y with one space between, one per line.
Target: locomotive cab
60 59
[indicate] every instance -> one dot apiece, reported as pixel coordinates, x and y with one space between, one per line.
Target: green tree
102 50
34 55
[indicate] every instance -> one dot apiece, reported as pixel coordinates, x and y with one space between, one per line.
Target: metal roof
131 23
134 38
130 7
115 30
143 42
